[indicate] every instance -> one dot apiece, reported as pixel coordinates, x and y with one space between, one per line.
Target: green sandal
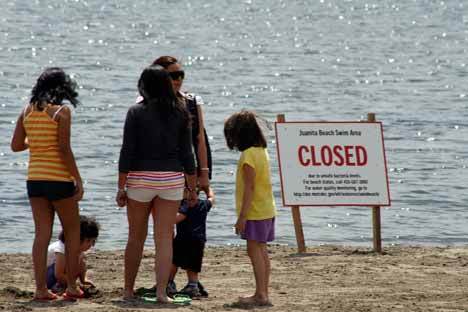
182 299
178 299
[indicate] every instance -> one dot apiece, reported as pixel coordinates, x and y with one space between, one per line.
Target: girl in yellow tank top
54 182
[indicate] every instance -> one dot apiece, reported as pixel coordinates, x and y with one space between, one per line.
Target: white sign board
332 164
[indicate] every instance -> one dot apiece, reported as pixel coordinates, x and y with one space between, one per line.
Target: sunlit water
311 60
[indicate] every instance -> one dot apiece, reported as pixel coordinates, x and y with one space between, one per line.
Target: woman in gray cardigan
156 163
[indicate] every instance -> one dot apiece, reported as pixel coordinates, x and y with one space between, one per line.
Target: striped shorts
144 186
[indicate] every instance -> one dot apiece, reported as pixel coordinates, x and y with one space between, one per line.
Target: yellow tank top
45 159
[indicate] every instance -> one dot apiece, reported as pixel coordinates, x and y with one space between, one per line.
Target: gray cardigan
153 144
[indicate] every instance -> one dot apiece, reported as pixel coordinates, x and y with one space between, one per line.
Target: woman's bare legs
68 212
164 213
43 215
173 273
137 215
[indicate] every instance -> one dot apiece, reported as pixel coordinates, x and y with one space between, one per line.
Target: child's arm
60 266
249 187
211 196
183 212
180 217
83 272
18 141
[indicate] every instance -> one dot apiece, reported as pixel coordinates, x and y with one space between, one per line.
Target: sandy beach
326 278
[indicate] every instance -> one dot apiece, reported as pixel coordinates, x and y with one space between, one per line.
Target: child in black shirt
189 244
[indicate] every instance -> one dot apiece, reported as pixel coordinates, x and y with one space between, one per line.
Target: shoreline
325 278
292 246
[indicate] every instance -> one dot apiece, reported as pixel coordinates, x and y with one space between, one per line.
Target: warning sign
332 164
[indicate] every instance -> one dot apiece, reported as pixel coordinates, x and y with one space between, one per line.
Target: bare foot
248 300
263 302
44 295
74 291
128 295
255 300
164 299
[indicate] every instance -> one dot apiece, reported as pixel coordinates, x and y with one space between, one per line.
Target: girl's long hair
155 86
242 131
53 87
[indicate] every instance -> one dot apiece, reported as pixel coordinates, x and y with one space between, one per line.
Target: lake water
404 60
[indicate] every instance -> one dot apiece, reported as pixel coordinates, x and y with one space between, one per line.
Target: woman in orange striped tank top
54 182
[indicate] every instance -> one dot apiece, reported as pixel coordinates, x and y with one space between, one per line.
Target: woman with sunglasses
194 106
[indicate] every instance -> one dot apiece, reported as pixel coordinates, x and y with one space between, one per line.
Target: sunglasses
177 75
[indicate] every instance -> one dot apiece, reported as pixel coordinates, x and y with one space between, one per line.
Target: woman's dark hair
155 86
242 131
52 87
165 61
89 229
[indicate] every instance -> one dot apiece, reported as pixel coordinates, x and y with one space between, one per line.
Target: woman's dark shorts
52 190
188 254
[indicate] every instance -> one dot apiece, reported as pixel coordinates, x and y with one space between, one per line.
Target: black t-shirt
194 226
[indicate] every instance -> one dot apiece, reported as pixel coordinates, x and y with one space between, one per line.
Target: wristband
205 169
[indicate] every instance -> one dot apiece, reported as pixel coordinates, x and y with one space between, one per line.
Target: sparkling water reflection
312 60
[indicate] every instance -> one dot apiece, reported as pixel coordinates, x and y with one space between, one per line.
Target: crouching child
56 263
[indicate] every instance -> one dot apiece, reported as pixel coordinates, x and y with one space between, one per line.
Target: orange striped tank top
45 159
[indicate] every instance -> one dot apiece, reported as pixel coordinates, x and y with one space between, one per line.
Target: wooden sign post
332 164
296 214
377 237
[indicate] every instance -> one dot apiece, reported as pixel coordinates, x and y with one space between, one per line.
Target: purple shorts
262 231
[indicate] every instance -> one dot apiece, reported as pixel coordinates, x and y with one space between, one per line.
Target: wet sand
326 278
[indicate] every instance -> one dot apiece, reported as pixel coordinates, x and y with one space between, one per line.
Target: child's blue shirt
194 226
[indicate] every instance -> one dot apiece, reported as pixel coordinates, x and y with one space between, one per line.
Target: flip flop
181 299
45 299
149 299
72 297
178 299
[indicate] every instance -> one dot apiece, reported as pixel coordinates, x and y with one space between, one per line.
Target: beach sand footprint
17 293
247 306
